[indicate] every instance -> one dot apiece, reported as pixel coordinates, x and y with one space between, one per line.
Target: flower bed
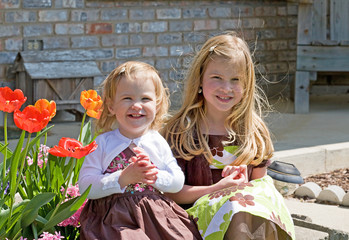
44 177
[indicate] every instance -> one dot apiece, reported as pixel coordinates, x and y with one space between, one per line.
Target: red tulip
92 102
70 147
11 100
42 104
31 119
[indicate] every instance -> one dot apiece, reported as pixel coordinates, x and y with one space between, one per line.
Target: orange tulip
92 102
70 147
11 100
31 119
42 104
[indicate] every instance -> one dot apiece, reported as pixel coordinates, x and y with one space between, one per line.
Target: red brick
99 28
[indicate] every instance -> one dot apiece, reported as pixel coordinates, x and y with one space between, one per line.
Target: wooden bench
322 44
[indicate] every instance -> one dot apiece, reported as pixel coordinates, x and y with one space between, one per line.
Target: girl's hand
241 170
238 175
139 170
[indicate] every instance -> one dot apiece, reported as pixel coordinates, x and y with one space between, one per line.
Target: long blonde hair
107 121
244 125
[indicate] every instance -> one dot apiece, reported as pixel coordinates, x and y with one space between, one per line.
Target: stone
332 193
345 201
285 188
309 189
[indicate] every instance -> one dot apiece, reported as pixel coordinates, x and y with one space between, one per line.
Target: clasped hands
233 175
140 169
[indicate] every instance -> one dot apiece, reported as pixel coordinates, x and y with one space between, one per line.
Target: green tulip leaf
15 230
37 138
31 210
17 209
4 148
66 210
14 165
86 136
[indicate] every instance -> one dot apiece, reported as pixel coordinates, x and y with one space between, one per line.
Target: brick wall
162 33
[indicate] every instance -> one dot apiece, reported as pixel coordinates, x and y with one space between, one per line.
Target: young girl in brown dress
133 165
218 133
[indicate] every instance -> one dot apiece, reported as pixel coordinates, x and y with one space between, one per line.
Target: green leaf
86 136
2 201
34 141
31 144
22 192
57 180
66 210
31 210
15 231
67 168
77 168
41 219
4 148
14 164
5 214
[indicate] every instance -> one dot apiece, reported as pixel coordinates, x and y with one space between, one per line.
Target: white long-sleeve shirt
170 177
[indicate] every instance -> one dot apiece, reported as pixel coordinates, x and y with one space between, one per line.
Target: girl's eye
126 98
217 77
235 79
146 99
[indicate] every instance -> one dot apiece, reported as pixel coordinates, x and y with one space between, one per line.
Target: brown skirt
141 215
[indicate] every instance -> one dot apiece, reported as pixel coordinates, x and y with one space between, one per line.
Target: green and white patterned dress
257 199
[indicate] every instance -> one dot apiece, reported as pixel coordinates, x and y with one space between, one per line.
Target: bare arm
189 194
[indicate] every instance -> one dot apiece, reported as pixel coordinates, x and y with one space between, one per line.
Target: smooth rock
309 189
332 193
345 201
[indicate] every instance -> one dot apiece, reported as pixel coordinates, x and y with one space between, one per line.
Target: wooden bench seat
322 44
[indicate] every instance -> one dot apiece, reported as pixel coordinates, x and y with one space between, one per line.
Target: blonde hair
244 124
107 120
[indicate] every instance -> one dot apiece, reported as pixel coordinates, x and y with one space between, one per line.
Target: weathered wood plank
304 24
339 20
69 106
328 89
301 1
61 89
60 55
322 44
301 92
345 21
323 58
54 70
319 21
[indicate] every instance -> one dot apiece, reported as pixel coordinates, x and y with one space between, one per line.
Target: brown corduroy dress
142 212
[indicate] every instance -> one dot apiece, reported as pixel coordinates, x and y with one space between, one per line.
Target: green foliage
31 197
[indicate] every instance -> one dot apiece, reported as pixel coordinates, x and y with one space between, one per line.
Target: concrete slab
326 122
331 216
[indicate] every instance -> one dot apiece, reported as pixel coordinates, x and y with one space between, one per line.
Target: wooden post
301 92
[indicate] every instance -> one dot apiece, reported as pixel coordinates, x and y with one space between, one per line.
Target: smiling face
222 85
134 104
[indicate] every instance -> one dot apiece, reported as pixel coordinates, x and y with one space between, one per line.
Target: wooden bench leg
301 92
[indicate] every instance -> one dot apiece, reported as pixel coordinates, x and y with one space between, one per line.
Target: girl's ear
109 106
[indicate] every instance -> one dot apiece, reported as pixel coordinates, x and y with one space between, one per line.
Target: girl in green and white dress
224 147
